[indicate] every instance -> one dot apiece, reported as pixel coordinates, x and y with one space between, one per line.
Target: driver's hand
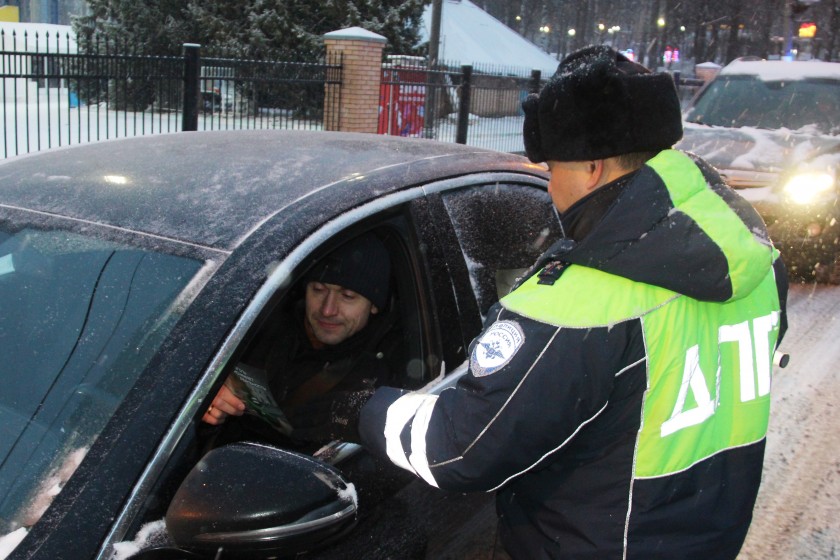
224 404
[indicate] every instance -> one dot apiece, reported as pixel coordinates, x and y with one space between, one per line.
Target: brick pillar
357 99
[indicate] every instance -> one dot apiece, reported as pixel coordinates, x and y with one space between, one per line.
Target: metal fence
242 93
54 95
476 105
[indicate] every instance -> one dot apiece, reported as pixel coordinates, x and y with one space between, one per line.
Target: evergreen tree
249 28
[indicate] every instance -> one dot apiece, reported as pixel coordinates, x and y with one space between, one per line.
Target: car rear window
81 319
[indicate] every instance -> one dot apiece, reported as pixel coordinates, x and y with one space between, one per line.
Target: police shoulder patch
496 348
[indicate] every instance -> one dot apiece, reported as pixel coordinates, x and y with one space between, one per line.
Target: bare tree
707 30
834 32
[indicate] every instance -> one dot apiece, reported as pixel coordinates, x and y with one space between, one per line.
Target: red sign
402 102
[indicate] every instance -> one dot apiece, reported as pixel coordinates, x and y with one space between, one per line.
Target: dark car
212 102
134 274
772 128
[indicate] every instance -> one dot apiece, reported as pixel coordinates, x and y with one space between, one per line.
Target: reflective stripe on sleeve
418 440
397 418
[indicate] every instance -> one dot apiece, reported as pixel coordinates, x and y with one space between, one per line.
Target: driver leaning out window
321 358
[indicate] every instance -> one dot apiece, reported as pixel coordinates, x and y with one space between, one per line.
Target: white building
48 11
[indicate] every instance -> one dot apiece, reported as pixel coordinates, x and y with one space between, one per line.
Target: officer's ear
598 174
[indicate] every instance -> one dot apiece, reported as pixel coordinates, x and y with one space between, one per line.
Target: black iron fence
477 105
243 93
53 95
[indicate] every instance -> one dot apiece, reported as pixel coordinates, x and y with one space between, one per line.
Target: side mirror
249 500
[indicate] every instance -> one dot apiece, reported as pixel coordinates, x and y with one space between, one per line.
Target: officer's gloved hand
333 416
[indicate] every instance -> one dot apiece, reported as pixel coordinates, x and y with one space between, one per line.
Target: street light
545 30
570 35
660 23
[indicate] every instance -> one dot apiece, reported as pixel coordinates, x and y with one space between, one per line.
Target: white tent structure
469 35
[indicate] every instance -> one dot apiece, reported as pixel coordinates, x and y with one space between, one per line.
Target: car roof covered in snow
779 70
213 188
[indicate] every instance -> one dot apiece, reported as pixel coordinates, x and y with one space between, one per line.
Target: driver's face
334 314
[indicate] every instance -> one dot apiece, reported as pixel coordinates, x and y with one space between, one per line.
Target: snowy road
798 513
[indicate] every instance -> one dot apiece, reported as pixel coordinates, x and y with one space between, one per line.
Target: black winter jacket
591 405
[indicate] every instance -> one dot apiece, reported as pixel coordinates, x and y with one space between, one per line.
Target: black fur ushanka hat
600 104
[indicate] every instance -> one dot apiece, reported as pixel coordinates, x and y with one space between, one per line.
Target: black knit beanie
600 104
362 265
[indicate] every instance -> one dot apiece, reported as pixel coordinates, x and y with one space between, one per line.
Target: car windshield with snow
773 130
136 274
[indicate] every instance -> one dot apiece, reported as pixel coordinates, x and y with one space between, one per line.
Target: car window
279 372
738 101
399 340
81 318
502 229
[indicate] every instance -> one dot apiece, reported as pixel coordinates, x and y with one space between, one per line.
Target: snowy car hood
759 150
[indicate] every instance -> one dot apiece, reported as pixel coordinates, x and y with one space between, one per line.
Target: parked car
773 130
213 102
135 272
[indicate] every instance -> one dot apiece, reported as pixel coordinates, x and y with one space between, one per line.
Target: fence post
534 86
361 75
430 112
192 75
464 104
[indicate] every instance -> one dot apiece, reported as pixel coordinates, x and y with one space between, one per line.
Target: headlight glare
805 188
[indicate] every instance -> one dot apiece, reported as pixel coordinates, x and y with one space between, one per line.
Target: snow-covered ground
52 123
798 509
503 134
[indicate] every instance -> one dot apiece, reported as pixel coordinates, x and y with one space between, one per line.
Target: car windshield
738 101
81 318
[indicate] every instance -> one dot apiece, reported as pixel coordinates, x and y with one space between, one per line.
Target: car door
488 228
423 297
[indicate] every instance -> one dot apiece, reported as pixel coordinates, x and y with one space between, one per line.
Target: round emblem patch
496 348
